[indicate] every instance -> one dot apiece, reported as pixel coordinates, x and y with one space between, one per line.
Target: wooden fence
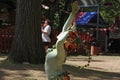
7 35
6 38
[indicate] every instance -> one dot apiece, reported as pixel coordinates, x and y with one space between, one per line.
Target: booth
89 23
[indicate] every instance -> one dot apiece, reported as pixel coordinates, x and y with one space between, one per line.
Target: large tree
27 45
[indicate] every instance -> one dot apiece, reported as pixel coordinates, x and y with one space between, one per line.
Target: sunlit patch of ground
102 67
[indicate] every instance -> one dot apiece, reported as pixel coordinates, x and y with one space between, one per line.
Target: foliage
56 21
54 12
110 9
6 4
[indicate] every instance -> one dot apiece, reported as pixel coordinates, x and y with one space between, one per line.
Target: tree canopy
57 8
110 9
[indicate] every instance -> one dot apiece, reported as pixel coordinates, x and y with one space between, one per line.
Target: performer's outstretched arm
55 58
68 23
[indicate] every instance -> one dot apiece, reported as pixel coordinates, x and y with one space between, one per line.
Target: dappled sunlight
21 72
10 71
101 68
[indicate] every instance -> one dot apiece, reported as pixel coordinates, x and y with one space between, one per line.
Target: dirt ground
102 67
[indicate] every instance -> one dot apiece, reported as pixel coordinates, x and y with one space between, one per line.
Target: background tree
27 45
110 9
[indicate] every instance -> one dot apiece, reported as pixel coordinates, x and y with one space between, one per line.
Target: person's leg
46 46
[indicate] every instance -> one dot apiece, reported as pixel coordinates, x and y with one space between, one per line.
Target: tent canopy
89 19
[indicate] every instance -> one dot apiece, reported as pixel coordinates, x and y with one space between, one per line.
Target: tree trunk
27 45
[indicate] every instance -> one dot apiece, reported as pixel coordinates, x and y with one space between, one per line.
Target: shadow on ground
9 71
22 70
88 74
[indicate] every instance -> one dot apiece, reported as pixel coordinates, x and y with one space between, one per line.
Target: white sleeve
48 29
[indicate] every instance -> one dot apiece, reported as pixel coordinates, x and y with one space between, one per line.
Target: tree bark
27 45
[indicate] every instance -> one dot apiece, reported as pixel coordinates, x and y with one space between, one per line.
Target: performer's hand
75 7
73 27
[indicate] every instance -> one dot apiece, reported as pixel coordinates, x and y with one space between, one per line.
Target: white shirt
45 37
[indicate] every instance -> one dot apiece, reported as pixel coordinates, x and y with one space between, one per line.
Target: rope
79 41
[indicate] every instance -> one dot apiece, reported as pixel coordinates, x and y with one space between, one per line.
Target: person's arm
47 30
44 32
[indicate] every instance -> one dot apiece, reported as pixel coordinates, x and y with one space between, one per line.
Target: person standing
46 30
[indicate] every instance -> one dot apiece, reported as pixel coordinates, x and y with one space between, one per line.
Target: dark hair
48 21
42 21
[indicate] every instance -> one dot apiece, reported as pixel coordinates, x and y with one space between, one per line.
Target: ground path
102 67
